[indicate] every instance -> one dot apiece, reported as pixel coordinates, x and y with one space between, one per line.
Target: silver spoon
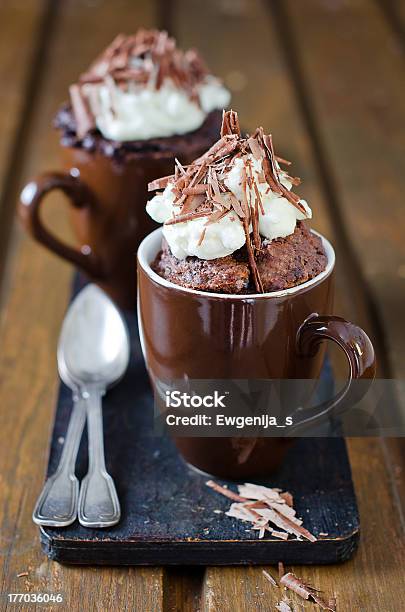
93 353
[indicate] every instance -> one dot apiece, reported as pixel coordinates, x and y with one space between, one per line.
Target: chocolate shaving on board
288 498
261 506
227 492
281 535
290 581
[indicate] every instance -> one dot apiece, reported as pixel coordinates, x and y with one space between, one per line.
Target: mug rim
143 262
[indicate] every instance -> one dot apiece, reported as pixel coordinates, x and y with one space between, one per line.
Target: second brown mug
107 212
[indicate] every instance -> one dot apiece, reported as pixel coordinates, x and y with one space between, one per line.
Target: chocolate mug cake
232 223
142 103
235 287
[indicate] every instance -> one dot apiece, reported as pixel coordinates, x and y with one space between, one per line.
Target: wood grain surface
22 28
355 91
326 77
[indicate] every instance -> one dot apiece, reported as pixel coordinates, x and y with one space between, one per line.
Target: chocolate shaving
288 498
255 147
227 492
186 217
294 180
160 183
234 122
263 510
228 201
270 578
216 216
246 219
196 189
179 166
266 165
81 110
292 198
258 197
230 123
281 535
223 146
285 523
281 160
200 241
192 203
290 581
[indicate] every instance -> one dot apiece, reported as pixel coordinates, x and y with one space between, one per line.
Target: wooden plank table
326 77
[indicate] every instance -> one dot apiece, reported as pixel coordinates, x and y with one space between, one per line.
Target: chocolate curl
230 123
281 160
186 217
288 498
270 578
256 148
290 581
246 222
202 236
160 183
83 117
192 202
227 492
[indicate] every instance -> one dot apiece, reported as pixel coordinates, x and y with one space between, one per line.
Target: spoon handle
98 499
57 504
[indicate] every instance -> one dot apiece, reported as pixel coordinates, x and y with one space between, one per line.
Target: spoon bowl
94 343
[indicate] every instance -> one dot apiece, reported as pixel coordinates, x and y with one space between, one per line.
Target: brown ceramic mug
188 334
108 199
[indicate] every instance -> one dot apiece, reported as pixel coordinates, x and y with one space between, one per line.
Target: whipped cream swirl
143 112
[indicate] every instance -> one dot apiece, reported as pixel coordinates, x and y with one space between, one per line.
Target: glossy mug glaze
188 334
108 199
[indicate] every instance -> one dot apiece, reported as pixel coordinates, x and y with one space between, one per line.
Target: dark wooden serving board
168 512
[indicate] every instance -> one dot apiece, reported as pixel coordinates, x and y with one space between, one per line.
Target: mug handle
360 356
29 206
